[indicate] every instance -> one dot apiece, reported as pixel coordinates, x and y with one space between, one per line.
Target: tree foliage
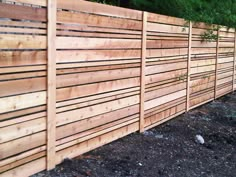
221 12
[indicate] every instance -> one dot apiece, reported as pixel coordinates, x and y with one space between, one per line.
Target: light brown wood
92 133
9 41
234 62
22 12
164 99
96 43
23 129
98 21
22 86
143 72
33 2
68 56
101 9
51 85
70 79
96 88
157 18
98 76
96 121
23 24
27 169
216 64
18 102
83 113
93 143
165 28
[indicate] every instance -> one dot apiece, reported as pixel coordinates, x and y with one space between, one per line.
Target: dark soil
167 150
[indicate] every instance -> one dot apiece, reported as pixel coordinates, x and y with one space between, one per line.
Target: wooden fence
75 75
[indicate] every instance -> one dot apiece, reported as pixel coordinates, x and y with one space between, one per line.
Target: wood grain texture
143 75
75 75
51 85
216 64
189 66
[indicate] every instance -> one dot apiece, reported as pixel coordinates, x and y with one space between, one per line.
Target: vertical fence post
234 59
51 83
189 66
143 67
216 64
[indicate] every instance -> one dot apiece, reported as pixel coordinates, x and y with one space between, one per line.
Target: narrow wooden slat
143 75
80 126
14 103
23 129
22 30
164 91
69 56
23 24
154 69
26 160
234 61
161 100
27 169
22 12
98 21
22 86
32 2
165 28
96 88
157 18
96 43
19 58
23 144
11 41
101 9
216 64
51 85
93 143
98 76
163 120
83 113
22 156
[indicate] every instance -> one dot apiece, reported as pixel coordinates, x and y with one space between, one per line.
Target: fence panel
203 65
225 62
23 60
98 75
81 75
166 68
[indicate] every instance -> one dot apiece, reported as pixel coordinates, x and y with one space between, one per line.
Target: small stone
199 139
159 136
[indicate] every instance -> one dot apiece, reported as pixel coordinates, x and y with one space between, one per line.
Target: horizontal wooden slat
166 67
101 9
96 43
166 28
23 129
157 18
75 115
96 88
19 58
158 101
85 78
21 86
22 12
95 20
13 103
95 55
10 41
166 52
33 2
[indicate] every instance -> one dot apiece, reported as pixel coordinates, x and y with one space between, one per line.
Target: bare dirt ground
168 150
